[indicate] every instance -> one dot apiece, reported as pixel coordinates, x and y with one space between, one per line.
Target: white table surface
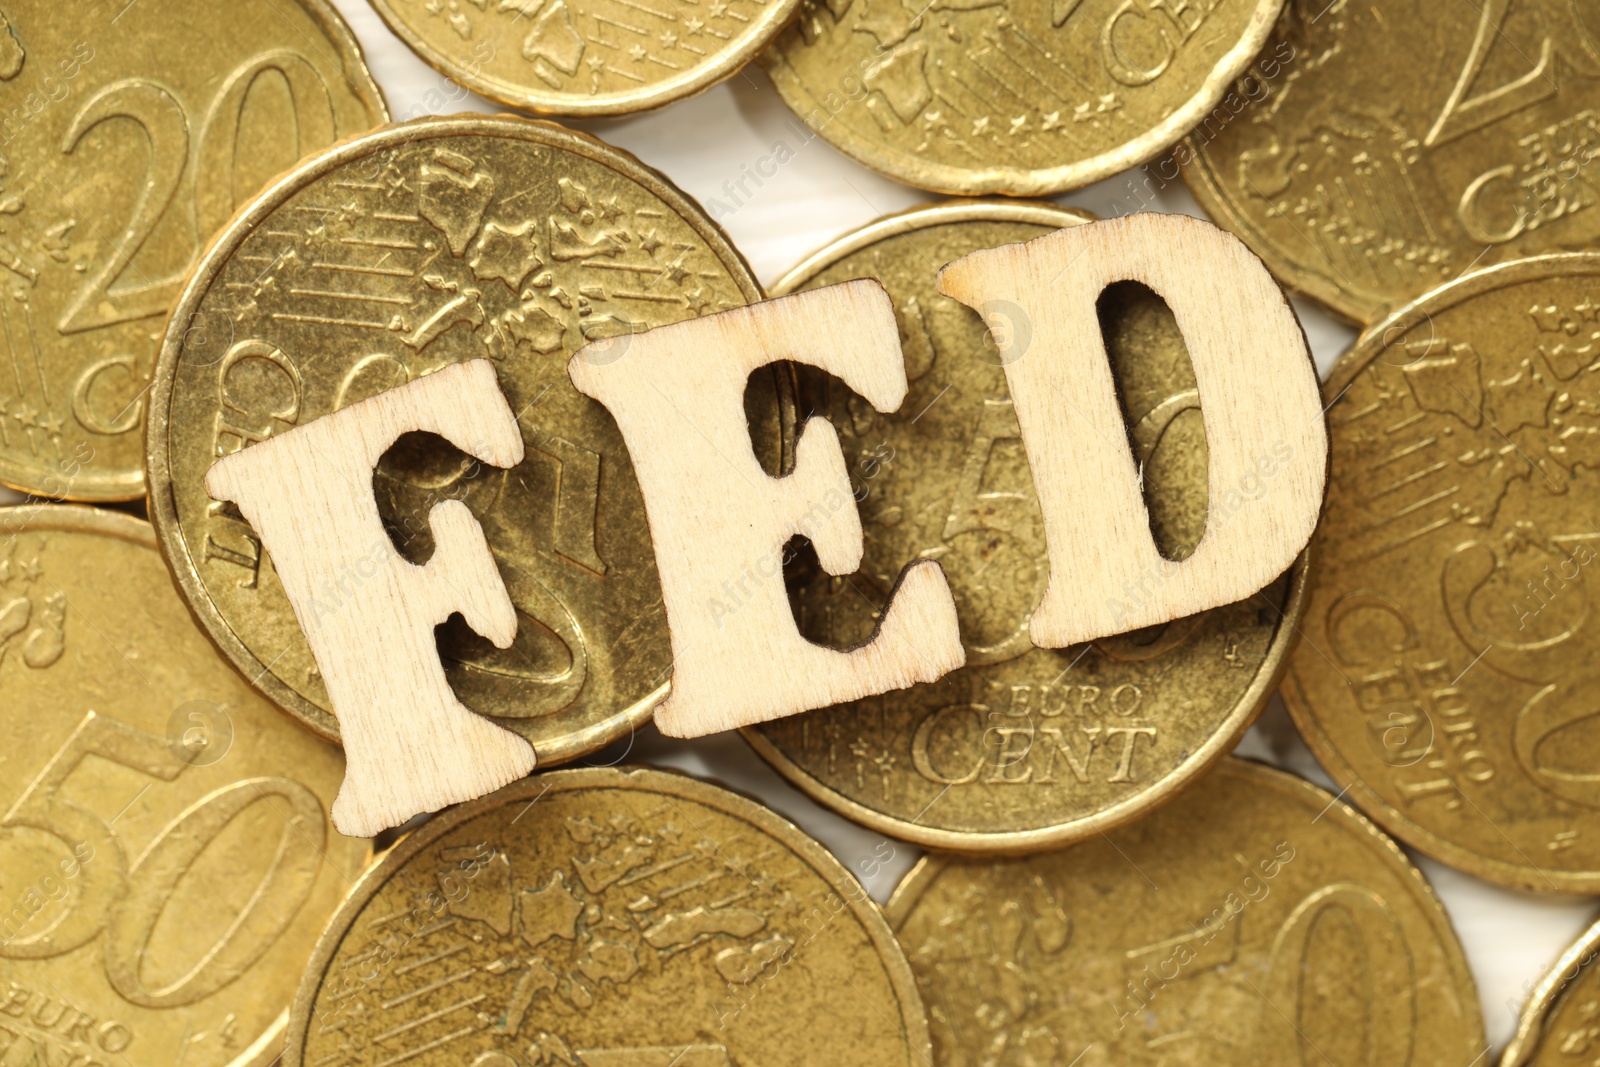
1510 937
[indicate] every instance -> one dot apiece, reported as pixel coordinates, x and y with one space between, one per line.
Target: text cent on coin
1024 747
391 256
587 57
1025 99
610 917
1366 173
165 863
1447 671
1257 920
128 141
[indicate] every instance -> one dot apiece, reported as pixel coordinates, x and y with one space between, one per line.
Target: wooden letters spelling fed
677 391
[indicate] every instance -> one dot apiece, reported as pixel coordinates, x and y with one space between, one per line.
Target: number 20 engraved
98 302
124 901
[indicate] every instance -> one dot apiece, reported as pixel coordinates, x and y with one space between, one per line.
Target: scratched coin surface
1558 1024
611 918
388 257
1365 172
1447 670
993 96
1257 920
587 57
1024 747
165 862
128 135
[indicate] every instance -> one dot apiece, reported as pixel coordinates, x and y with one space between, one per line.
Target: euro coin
984 96
609 917
1366 175
1024 747
386 258
165 863
587 57
1256 920
1446 673
1557 1023
131 131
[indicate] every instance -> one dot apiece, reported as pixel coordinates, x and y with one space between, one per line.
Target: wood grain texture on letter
1258 398
410 745
720 522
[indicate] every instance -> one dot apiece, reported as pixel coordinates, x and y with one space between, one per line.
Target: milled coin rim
120 526
1061 834
659 781
76 518
1372 343
162 505
1023 181
118 488
916 882
1547 996
701 76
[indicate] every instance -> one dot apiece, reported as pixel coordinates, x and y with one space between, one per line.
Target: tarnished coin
588 57
1257 920
1024 747
129 132
609 918
1448 668
165 863
1365 173
386 258
1560 1024
986 96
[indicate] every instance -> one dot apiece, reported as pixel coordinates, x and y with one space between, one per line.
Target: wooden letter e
720 522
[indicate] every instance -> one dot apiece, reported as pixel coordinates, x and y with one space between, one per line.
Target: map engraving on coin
990 96
632 918
1448 666
1366 174
392 256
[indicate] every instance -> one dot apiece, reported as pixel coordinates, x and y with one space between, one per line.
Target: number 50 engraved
1389 1025
125 900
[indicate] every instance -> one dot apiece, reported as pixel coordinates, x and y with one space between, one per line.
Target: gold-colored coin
1024 747
165 861
1366 176
1257 920
386 258
589 57
609 918
1448 667
1557 1026
986 96
129 133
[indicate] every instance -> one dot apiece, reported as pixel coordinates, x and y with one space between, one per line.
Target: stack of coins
210 233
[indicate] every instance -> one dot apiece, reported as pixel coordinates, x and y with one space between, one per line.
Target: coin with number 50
165 863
